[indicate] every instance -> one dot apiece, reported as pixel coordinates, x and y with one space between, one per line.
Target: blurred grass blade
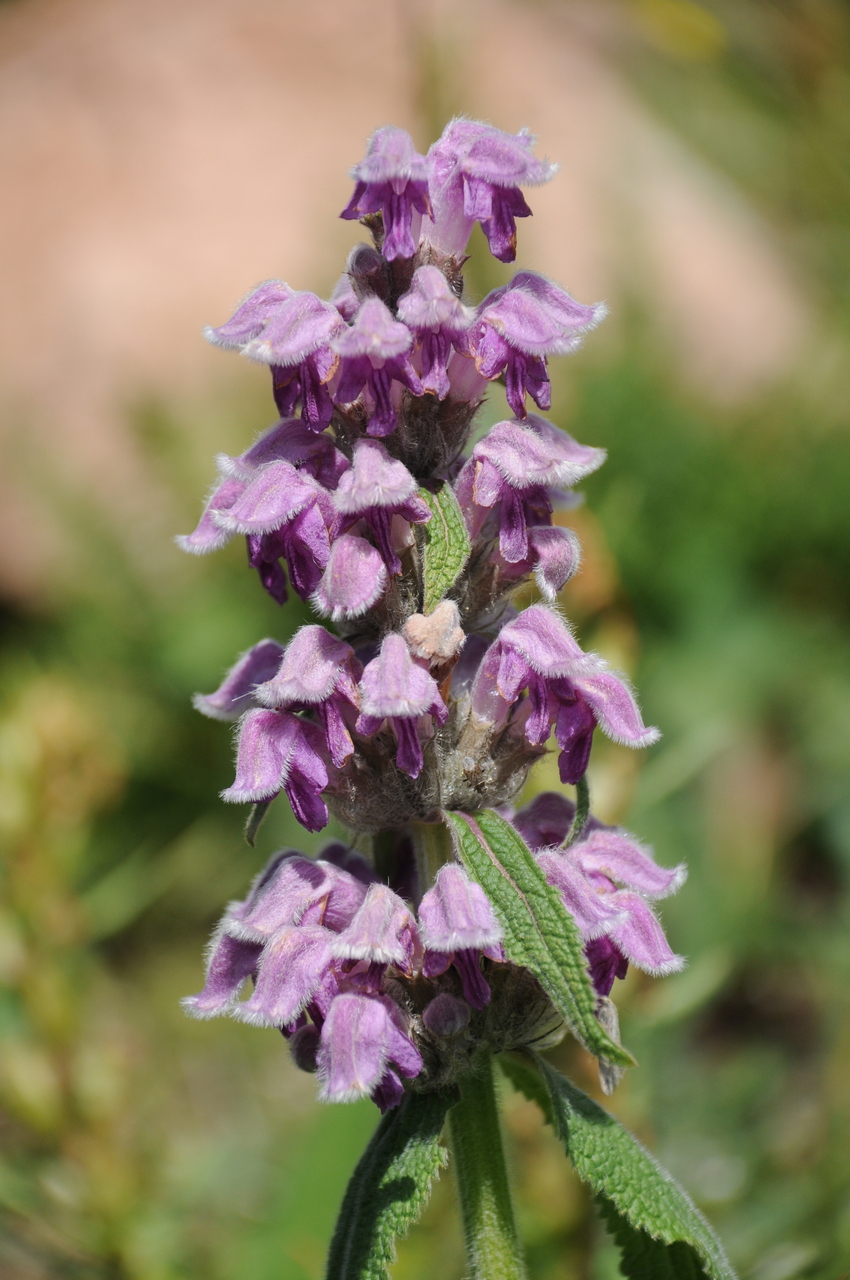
659 1229
540 934
255 821
446 545
389 1188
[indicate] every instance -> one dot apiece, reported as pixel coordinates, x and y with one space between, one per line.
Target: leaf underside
540 934
446 545
660 1231
389 1188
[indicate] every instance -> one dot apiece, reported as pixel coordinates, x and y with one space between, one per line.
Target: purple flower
319 671
511 472
458 925
290 440
290 973
290 891
387 377
446 1015
232 961
521 323
287 441
317 941
363 1039
286 514
209 536
554 555
439 319
567 688
392 180
374 353
275 493
475 174
607 880
237 691
279 751
546 820
395 689
252 315
290 331
354 579
380 491
383 932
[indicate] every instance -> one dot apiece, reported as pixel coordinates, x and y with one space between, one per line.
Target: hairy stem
582 813
493 1249
432 844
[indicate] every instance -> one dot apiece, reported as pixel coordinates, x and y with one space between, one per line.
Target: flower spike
421 692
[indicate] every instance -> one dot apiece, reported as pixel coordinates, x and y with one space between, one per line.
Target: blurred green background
137 1145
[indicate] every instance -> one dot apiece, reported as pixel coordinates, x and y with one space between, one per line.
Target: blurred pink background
159 159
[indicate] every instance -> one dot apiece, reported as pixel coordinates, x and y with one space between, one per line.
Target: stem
582 812
432 844
493 1249
384 847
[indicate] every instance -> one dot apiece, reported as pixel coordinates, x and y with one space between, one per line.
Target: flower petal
237 690
355 577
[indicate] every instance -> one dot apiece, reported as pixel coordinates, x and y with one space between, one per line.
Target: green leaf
658 1227
540 934
389 1188
643 1258
447 545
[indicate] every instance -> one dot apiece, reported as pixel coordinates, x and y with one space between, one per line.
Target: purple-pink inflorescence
386 972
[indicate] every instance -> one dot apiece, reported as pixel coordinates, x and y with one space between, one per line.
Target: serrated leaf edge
439 503
581 1020
391 1142
713 1257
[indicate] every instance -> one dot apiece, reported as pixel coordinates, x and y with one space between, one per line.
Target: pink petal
615 708
393 685
251 316
621 858
544 640
355 577
266 742
291 969
374 480
556 554
210 535
359 1038
232 960
309 669
276 494
383 931
640 937
455 914
237 689
592 912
